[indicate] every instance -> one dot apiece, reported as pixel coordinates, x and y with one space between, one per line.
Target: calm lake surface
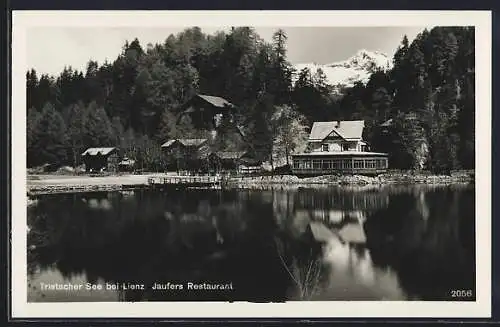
253 245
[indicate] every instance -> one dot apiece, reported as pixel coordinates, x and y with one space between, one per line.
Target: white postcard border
24 20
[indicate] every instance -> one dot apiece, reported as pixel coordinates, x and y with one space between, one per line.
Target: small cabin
237 161
207 111
101 159
126 165
186 154
338 147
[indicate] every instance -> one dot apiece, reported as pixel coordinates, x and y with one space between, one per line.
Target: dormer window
345 147
324 147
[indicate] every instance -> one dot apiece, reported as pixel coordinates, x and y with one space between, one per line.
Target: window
347 164
324 147
358 164
336 164
317 164
345 147
327 164
382 163
296 164
307 164
371 163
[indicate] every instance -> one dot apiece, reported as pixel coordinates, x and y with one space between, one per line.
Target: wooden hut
235 161
186 154
101 159
207 111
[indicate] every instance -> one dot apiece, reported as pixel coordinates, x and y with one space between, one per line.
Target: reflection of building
338 146
337 216
100 159
353 275
341 200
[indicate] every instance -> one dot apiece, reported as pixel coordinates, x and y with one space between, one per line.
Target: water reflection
387 243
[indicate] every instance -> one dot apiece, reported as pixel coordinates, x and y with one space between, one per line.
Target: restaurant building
338 147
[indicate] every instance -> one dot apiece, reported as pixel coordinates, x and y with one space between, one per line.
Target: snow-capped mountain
357 68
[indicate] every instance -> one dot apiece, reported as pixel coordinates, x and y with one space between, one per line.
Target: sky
50 49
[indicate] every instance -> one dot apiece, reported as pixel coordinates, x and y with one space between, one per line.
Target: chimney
338 123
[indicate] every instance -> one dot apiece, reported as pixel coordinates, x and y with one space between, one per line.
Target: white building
338 146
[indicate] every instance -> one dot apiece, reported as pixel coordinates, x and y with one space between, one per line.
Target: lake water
388 243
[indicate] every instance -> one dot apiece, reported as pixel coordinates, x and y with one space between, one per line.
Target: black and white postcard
263 164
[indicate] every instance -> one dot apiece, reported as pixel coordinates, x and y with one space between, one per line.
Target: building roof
347 129
192 142
216 101
168 143
127 162
339 154
387 123
185 142
230 154
96 151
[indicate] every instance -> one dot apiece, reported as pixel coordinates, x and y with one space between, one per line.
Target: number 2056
461 293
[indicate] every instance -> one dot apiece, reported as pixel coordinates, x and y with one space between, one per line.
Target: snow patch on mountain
346 73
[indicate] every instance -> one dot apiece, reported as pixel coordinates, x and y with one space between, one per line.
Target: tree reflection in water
254 239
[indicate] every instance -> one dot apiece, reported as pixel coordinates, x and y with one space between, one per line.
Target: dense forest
426 100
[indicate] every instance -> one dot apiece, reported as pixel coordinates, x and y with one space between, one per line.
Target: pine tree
281 81
32 121
76 131
118 131
49 138
98 129
31 90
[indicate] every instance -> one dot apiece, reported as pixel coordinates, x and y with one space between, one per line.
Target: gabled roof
230 154
192 142
184 142
168 143
387 123
127 162
347 129
216 101
96 151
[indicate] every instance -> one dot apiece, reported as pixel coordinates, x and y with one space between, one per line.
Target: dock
187 181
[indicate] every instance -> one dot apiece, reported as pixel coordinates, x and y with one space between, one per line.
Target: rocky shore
389 178
118 183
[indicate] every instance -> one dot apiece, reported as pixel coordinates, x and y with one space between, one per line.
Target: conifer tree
49 142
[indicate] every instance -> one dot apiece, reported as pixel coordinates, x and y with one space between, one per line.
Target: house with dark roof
101 159
338 147
238 161
207 111
186 154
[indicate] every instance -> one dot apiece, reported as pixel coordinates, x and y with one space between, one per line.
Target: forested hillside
133 101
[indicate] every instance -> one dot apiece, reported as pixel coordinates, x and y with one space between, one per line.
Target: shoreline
53 184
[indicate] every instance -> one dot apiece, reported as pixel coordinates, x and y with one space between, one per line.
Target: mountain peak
357 68
365 60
